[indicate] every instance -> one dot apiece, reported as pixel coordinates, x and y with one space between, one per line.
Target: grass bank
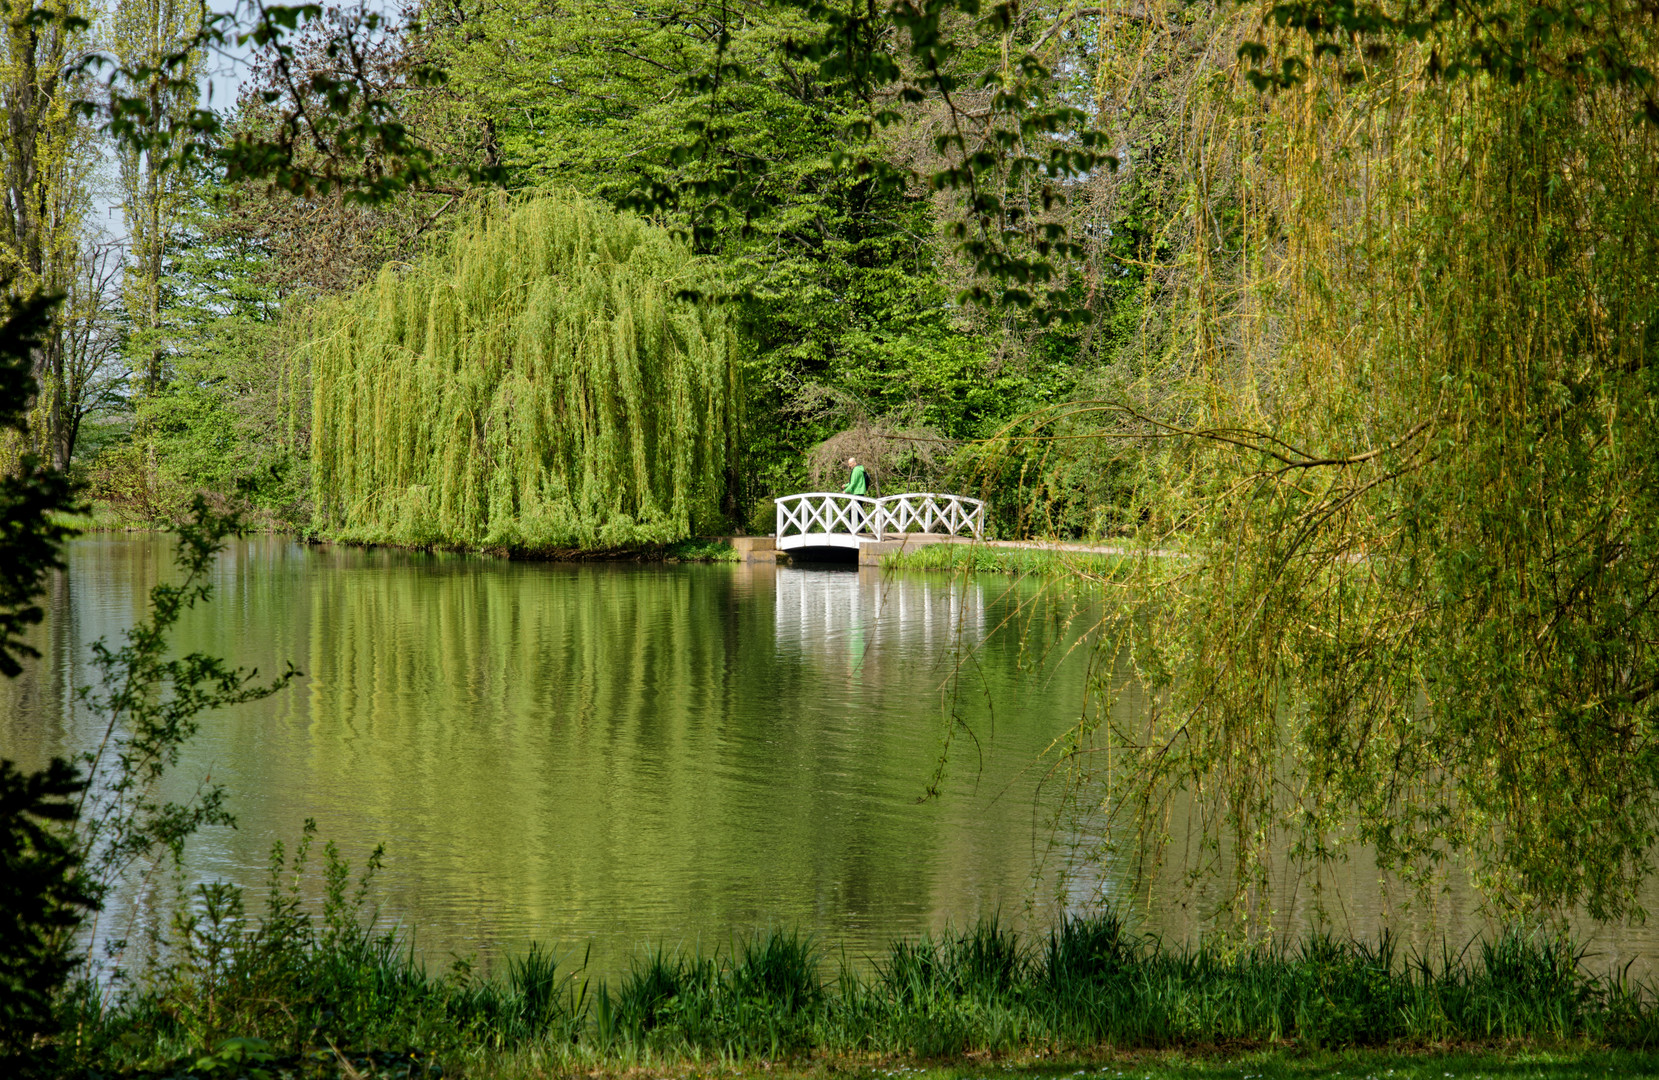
100 517
693 549
700 549
287 992
1579 1063
103 518
982 559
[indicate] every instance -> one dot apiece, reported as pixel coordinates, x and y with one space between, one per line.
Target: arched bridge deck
833 519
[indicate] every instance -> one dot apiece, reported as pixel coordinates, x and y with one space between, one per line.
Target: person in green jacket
860 481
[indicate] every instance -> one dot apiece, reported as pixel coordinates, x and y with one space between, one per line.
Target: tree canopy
1405 601
540 384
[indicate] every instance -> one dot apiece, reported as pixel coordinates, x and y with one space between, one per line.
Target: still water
610 756
605 754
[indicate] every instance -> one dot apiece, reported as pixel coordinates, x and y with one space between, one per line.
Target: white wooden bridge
833 519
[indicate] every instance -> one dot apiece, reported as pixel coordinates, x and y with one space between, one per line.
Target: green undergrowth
99 517
316 989
700 549
1512 1063
980 559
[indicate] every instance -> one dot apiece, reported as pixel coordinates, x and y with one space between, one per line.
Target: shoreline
1088 992
707 549
1045 558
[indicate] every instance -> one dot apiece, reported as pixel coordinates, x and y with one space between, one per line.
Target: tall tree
46 156
144 35
233 416
837 268
1413 479
94 335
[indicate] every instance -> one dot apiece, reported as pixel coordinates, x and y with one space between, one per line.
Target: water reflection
620 755
819 608
606 754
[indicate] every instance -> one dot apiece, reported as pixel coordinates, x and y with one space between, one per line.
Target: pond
605 757
606 754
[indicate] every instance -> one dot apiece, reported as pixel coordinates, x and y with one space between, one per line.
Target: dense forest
187 336
906 273
1019 260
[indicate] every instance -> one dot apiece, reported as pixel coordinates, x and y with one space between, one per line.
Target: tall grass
979 559
288 985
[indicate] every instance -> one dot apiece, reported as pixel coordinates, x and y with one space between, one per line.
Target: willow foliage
537 385
1413 479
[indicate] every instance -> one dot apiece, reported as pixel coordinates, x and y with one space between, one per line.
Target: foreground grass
316 997
242 1058
1285 1065
1514 1062
292 994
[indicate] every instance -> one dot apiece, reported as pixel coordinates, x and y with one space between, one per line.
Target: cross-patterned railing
860 515
828 512
951 515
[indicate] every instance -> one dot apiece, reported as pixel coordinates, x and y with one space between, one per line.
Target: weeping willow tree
1406 556
538 385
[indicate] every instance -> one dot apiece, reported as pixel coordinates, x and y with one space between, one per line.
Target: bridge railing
951 515
828 512
860 515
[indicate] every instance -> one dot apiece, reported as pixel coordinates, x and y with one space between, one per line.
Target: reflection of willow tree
104 595
578 734
1419 474
539 384
620 753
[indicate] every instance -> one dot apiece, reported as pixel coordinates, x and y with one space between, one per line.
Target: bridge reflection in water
817 607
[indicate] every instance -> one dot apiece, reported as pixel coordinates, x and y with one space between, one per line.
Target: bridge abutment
869 552
754 549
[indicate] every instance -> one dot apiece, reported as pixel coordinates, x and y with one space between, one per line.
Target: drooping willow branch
541 384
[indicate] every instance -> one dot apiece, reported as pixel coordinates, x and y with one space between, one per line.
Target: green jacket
859 483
